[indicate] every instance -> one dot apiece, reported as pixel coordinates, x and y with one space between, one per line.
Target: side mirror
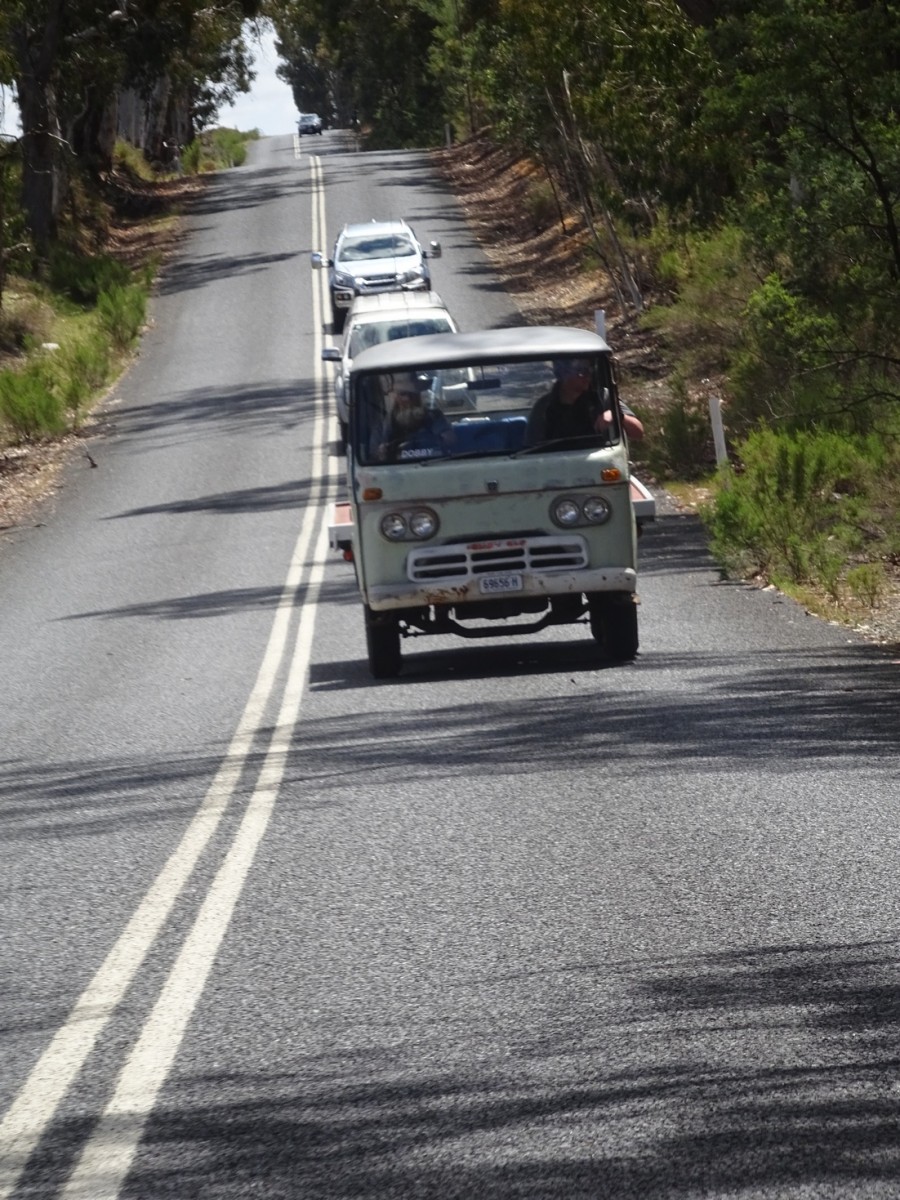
331 354
434 250
316 259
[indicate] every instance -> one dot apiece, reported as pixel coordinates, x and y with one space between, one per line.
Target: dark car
375 256
309 123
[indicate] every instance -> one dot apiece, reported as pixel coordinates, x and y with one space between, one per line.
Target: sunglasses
407 395
580 369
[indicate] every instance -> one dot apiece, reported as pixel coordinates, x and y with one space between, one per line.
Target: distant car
309 123
385 317
375 256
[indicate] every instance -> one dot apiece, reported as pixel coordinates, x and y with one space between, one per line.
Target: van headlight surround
570 511
415 524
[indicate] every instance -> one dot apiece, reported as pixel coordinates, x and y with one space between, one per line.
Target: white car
371 257
384 317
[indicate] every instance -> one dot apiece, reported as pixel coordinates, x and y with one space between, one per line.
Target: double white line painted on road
106 1158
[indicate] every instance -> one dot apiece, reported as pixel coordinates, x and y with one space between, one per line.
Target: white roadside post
718 429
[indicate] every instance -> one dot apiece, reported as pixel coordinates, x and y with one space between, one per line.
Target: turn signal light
371 494
610 474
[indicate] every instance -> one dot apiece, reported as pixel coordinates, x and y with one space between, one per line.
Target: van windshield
484 410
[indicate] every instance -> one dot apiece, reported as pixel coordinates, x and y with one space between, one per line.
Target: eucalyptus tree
70 58
373 55
811 93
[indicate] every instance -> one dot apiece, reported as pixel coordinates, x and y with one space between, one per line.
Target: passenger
413 428
571 409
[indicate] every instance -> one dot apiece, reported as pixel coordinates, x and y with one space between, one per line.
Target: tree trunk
35 50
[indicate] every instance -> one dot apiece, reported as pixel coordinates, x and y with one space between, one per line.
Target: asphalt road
514 925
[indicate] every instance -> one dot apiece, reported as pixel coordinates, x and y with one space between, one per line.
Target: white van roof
485 345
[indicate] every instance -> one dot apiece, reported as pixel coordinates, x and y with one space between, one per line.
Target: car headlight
412 276
343 279
423 524
596 509
393 526
419 524
569 511
566 512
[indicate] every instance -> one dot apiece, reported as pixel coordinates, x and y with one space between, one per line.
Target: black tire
338 316
614 624
383 644
345 433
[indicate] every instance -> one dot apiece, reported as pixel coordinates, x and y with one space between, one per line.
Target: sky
268 107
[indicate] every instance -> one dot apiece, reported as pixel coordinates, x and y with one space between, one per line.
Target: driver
414 427
570 409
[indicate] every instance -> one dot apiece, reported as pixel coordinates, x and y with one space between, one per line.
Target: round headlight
393 526
566 512
597 510
423 524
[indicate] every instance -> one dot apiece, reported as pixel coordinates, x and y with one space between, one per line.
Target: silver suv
374 256
385 317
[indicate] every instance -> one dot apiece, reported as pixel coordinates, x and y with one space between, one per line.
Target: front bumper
404 594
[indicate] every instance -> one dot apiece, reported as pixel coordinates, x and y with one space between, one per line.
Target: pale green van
484 502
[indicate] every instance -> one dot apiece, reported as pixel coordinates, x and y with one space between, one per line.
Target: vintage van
490 491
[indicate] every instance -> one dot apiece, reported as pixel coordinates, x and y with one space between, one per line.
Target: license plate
500 583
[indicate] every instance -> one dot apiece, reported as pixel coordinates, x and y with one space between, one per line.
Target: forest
737 161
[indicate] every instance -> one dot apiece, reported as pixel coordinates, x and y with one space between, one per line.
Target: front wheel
338 316
383 644
614 625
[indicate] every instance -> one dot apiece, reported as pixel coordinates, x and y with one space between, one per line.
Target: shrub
678 443
122 311
795 509
83 277
541 205
22 320
867 582
28 404
710 277
79 369
215 149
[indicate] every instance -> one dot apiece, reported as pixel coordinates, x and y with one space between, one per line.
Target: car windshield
382 245
479 410
371 333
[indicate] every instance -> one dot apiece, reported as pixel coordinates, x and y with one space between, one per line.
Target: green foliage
709 273
786 368
133 159
216 149
122 312
540 204
797 508
190 157
83 277
678 442
29 406
867 582
78 369
23 319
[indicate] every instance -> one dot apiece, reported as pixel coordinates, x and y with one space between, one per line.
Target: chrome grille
378 281
535 555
